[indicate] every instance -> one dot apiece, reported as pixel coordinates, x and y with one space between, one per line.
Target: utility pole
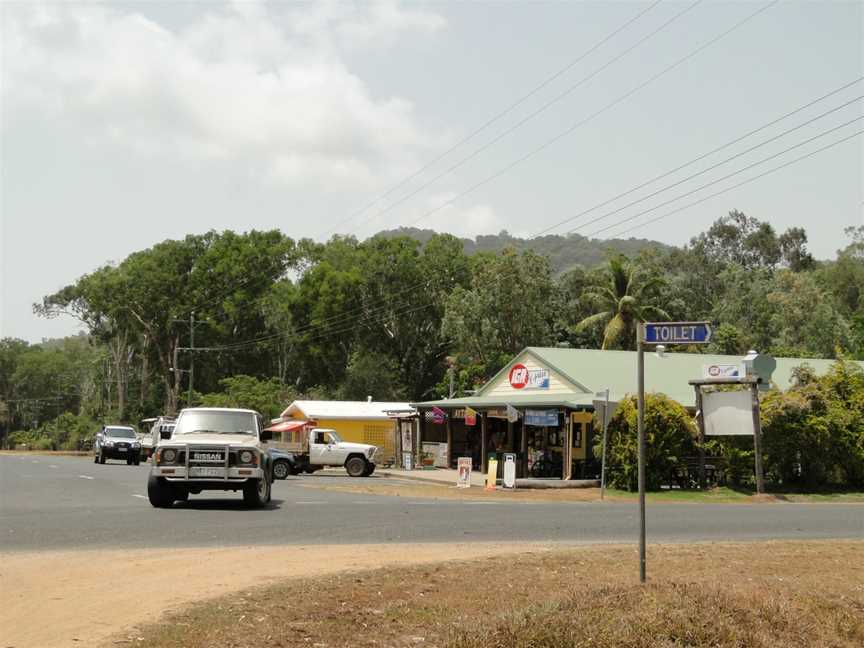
191 357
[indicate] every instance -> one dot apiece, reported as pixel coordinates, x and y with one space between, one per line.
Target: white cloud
270 90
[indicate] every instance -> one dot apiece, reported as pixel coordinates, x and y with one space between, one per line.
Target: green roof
592 370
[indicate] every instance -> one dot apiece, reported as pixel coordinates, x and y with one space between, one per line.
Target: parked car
212 448
284 463
117 442
157 428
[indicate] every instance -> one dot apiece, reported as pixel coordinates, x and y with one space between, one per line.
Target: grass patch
767 595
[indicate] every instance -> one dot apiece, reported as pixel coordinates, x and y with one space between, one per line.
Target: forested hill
564 252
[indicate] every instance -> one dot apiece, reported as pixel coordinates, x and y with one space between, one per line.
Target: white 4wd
320 447
211 449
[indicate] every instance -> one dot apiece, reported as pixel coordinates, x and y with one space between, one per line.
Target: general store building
553 390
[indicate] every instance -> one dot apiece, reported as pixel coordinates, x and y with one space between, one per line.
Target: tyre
181 495
309 470
129 462
281 469
137 461
356 466
96 459
256 492
370 468
160 494
101 458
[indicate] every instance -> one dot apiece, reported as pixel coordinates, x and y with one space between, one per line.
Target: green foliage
669 436
269 397
622 296
814 432
510 304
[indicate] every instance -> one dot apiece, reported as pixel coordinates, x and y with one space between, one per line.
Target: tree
510 304
622 297
669 436
269 397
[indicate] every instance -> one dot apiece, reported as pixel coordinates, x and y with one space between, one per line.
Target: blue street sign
677 332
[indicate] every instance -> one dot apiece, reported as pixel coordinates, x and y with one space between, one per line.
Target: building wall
558 384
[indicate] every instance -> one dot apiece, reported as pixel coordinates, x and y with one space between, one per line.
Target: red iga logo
518 376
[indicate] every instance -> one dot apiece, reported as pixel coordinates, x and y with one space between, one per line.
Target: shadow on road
225 505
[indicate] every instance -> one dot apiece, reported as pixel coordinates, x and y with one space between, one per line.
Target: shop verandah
551 436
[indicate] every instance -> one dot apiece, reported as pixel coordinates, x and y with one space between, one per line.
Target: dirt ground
753 595
80 598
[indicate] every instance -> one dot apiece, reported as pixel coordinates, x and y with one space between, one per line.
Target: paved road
69 503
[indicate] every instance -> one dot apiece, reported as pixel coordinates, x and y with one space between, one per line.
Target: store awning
286 426
571 400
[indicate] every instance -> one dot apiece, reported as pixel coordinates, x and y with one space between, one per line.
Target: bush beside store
813 433
669 435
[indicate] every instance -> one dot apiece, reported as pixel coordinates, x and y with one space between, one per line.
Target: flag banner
438 415
470 416
512 414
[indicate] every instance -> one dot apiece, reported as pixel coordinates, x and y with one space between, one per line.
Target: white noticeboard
728 413
509 480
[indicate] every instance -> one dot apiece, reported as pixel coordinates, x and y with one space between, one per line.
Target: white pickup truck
212 448
317 448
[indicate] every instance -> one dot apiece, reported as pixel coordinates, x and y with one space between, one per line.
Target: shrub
669 436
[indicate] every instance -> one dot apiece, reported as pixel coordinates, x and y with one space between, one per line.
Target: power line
537 112
704 155
721 179
735 186
714 166
501 114
596 114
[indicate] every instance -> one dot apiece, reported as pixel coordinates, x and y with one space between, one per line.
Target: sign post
509 480
657 333
640 432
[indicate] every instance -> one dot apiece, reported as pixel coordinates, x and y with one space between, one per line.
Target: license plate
122 449
206 472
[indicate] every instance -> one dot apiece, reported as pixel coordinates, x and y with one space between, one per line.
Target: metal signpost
657 333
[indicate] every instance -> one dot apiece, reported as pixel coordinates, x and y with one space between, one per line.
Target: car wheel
356 466
309 470
181 495
128 462
281 469
101 458
256 492
160 494
96 459
137 461
370 468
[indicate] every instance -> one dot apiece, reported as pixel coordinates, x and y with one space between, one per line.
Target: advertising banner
463 478
541 417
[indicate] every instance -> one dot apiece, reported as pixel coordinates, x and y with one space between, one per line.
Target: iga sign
722 371
523 378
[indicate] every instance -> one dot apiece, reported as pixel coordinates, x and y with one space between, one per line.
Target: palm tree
621 295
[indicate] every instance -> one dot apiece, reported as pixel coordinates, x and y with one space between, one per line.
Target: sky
124 124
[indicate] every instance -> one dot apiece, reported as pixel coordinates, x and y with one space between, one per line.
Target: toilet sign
677 332
509 481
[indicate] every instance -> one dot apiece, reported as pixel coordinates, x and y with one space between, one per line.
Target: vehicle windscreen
334 438
215 423
120 433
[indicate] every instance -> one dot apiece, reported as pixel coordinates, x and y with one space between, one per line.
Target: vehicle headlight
109 442
135 444
246 457
167 455
371 452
